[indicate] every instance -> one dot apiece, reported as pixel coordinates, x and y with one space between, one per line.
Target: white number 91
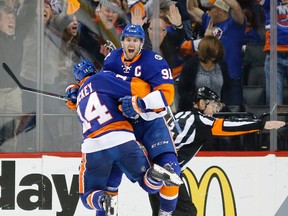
166 74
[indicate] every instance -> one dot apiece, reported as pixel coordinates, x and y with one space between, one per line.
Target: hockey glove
71 94
132 106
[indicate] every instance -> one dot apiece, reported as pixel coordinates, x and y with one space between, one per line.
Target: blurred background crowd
222 44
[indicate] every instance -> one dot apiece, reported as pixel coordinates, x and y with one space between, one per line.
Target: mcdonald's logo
199 190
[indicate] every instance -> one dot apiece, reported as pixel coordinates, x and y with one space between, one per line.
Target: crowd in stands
205 42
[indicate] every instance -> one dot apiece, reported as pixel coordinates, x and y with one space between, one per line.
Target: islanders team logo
283 15
158 57
126 68
217 32
283 20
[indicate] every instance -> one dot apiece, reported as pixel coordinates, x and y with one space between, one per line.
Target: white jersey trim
154 100
149 116
106 141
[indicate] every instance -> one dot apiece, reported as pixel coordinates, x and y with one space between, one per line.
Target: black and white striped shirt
198 129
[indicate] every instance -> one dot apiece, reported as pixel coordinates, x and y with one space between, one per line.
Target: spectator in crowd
169 41
104 29
129 7
66 27
101 27
60 51
70 53
258 15
282 47
164 9
101 33
30 76
251 34
167 10
208 68
253 54
189 47
29 71
193 29
106 21
229 27
13 30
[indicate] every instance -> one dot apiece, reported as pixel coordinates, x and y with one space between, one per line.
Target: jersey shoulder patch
147 54
158 57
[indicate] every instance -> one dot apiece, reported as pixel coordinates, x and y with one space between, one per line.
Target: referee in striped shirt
198 127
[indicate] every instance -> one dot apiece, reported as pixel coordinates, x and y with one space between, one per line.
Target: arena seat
253 65
257 110
254 95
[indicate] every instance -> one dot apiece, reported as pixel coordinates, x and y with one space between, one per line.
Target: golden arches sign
199 190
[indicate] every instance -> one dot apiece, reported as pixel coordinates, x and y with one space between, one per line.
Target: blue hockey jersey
104 125
148 66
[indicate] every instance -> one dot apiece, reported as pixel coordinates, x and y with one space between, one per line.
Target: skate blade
168 177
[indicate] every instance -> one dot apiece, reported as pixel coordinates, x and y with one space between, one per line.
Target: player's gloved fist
132 106
71 94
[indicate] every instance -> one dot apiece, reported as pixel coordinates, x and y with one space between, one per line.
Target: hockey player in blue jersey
133 61
108 139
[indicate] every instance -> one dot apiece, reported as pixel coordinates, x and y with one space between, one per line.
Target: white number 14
94 110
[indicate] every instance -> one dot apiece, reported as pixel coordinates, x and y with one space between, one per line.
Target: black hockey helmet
210 96
206 93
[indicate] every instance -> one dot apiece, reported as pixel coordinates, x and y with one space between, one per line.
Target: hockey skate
165 174
110 205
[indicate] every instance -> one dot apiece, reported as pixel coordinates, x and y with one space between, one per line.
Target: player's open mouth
109 21
130 50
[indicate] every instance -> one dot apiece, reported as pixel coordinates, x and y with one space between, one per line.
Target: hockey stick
174 120
32 90
61 97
